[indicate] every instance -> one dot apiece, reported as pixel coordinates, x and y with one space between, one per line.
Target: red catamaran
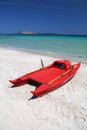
48 78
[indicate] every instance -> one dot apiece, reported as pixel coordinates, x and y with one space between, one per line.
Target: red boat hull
48 78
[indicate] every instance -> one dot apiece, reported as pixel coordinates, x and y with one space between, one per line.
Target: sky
44 16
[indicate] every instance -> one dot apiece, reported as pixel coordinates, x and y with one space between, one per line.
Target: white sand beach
62 109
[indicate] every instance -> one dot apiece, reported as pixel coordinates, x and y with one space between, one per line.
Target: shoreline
49 54
65 108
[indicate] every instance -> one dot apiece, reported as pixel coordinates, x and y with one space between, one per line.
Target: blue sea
65 47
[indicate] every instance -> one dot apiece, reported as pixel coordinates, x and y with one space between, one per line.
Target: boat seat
60 65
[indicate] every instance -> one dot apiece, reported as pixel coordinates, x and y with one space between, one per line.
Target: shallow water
71 47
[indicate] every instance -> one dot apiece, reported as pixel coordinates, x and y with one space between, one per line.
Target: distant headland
39 33
25 32
36 33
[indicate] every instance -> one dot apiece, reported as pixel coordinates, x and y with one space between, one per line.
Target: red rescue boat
48 78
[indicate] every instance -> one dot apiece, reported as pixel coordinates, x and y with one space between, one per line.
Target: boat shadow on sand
34 84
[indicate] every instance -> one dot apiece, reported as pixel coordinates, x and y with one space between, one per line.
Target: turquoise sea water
71 47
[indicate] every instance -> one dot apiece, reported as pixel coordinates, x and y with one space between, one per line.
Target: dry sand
62 109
